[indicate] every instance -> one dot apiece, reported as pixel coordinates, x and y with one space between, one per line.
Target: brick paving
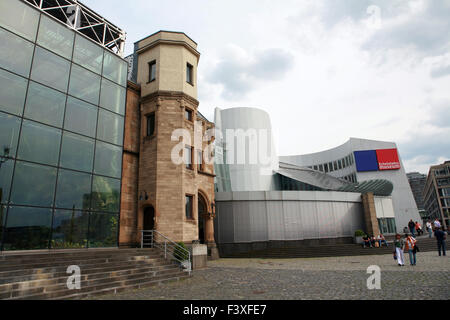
315 278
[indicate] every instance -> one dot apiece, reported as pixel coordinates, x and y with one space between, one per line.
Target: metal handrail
155 239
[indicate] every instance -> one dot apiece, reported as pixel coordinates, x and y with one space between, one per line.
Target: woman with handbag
399 245
411 248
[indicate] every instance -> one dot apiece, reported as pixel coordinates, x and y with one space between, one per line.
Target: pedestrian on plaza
411 226
382 240
418 228
399 246
405 230
440 237
410 246
429 228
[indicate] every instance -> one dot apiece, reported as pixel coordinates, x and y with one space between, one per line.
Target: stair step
111 287
62 278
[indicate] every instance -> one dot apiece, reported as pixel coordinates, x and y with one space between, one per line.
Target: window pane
16 53
39 143
12 92
115 69
70 229
189 203
38 191
110 127
88 54
27 228
103 230
20 18
113 97
5 179
73 190
77 152
108 160
45 61
55 37
152 72
150 124
81 117
45 105
84 84
9 133
105 194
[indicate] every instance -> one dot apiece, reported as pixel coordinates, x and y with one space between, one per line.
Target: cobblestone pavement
316 278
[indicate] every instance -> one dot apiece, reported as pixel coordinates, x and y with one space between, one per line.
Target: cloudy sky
325 70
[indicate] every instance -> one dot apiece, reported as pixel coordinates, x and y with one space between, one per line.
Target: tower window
152 71
190 74
188 114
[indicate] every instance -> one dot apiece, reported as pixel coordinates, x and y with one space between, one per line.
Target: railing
172 250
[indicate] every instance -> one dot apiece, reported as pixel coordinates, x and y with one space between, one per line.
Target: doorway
202 213
149 219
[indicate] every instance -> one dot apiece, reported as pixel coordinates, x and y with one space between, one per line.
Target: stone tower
176 199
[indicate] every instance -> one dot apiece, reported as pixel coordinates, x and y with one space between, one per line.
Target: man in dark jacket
440 237
411 226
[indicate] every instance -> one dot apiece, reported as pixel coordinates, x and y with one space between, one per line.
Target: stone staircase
38 276
424 243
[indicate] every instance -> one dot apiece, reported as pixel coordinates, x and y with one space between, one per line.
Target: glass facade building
62 108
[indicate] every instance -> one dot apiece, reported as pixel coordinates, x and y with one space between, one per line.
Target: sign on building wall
377 160
388 159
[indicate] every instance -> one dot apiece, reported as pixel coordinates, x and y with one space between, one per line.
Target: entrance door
202 211
149 218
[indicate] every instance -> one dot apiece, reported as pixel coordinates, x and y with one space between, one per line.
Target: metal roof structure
82 19
379 187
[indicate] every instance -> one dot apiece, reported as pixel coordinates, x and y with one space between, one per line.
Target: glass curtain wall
62 108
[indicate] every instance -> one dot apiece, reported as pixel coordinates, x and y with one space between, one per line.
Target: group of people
408 243
414 227
374 242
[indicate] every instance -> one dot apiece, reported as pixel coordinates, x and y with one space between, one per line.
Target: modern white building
320 197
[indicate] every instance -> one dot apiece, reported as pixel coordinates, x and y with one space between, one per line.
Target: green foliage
359 233
180 254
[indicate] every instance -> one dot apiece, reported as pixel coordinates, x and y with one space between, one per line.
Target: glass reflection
55 37
39 143
73 190
84 84
115 69
45 61
16 53
103 229
27 228
12 92
108 160
9 133
5 179
88 54
45 105
105 194
110 127
38 191
20 18
70 229
81 117
113 97
77 152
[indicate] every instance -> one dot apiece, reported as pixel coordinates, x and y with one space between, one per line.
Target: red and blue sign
377 160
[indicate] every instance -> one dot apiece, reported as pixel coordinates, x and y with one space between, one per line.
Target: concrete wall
405 207
244 217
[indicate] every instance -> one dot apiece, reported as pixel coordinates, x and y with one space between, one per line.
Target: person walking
410 245
399 245
430 228
440 237
411 226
